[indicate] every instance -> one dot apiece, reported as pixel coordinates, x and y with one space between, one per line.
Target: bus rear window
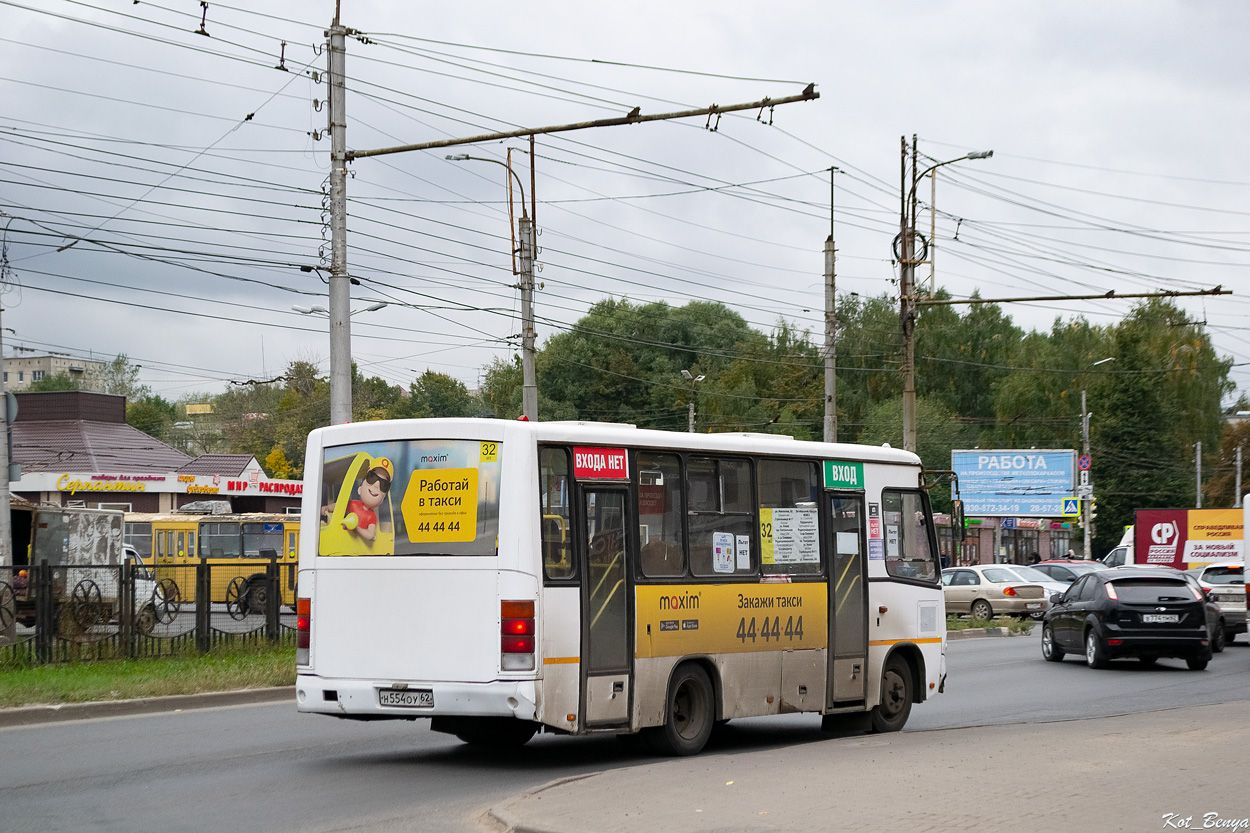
410 497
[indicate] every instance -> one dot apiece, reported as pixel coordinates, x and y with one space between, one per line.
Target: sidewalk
1103 774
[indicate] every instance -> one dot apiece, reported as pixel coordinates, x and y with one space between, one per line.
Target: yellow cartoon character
363 525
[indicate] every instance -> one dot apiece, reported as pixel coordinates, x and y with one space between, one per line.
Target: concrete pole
831 354
340 284
907 293
1085 501
529 379
1237 488
831 330
1198 470
6 457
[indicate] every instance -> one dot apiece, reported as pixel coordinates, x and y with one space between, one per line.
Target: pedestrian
1034 558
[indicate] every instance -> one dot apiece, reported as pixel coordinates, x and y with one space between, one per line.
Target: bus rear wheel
897 694
688 716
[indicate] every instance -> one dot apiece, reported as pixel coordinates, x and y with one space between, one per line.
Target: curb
978 633
33 715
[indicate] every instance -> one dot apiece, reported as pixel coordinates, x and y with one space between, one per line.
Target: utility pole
1085 501
1198 470
6 453
340 285
1237 488
529 378
907 297
906 255
831 330
693 380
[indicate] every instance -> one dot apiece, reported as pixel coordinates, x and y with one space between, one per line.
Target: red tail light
1111 594
303 630
516 629
1009 591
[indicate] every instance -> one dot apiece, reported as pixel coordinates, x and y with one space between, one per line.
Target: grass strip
222 669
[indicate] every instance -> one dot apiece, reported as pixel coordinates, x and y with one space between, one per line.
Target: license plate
1160 618
415 698
1033 606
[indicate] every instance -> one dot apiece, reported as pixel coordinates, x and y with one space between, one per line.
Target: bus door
606 637
848 602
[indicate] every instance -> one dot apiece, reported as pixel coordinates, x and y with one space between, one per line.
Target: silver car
1225 584
989 590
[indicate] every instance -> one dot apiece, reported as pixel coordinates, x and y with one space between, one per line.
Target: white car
1225 584
989 590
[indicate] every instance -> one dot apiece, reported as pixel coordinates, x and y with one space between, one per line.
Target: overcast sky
187 169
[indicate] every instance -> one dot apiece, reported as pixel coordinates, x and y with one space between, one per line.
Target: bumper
1189 644
1015 606
358 699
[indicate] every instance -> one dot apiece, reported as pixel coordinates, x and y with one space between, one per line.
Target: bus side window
660 538
721 516
789 517
554 484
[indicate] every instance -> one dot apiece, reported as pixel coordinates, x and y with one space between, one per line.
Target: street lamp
1085 491
693 380
525 231
320 310
904 251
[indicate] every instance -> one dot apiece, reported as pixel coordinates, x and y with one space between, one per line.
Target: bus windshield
410 497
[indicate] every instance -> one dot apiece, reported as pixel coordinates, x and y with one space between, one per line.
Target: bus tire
897 695
690 711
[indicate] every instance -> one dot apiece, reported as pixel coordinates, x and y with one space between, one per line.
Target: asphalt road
268 768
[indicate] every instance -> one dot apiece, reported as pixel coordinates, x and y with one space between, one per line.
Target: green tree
56 382
439 395
938 431
118 377
1220 489
152 415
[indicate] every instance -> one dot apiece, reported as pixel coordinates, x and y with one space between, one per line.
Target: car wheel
896 697
1197 663
1095 654
981 610
690 714
1218 639
1050 649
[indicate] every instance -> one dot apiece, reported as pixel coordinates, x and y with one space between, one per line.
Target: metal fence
74 613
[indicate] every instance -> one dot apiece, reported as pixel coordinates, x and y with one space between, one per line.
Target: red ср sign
599 464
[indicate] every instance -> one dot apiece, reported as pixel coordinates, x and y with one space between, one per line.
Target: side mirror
1056 598
957 520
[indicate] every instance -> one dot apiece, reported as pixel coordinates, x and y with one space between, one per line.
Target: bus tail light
516 635
303 630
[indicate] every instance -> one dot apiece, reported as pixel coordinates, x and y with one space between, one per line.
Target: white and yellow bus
507 577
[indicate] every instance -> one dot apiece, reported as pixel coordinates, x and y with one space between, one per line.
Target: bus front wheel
688 716
897 695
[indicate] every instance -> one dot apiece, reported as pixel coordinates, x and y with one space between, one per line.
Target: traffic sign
1085 491
1083 462
1009 523
1084 477
1071 507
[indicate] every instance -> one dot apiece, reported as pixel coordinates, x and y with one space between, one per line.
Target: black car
1129 612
